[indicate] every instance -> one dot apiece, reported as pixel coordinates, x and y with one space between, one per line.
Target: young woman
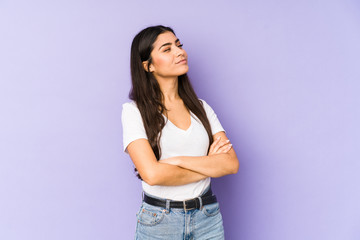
175 141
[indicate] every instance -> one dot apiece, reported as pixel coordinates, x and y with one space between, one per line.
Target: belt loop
167 205
184 205
200 201
142 195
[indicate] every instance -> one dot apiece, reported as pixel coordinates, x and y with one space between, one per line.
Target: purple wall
283 78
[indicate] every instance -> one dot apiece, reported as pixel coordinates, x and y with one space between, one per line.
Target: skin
169 60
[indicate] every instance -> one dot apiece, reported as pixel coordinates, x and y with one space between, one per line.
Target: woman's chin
186 69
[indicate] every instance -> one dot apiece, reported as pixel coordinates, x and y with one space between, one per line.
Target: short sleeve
214 121
132 124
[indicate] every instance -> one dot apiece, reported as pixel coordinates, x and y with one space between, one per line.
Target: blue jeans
174 224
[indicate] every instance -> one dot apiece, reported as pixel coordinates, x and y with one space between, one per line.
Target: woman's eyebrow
167 44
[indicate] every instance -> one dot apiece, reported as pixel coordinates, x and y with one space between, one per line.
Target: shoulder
202 101
208 109
130 105
205 105
212 117
130 109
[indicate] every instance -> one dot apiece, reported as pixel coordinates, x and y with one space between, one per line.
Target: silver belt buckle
185 208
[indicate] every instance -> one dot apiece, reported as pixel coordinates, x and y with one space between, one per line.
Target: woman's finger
221 144
217 140
216 147
224 149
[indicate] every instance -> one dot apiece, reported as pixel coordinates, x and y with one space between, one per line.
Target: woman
175 141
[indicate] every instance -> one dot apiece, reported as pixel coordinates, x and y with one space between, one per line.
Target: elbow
150 179
235 168
231 167
152 175
151 183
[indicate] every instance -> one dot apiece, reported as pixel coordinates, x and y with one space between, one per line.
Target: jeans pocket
211 210
150 215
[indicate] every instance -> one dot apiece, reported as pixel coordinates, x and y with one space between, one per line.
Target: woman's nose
179 51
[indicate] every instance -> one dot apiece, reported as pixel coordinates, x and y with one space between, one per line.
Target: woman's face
168 57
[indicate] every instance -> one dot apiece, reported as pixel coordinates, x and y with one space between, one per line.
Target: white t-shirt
174 142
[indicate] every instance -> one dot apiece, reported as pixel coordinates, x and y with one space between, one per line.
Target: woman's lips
182 61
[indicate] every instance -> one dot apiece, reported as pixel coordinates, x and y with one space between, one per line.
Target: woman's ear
146 66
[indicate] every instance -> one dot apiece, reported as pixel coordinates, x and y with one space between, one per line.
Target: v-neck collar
188 129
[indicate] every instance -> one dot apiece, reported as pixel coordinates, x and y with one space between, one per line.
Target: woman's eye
169 49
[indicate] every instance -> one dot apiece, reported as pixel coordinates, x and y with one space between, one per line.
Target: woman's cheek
162 61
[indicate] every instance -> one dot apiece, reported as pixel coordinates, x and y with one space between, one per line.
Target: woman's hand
220 146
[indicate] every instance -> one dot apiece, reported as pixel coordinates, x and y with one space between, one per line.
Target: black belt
194 203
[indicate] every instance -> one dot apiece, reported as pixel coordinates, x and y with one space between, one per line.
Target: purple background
283 77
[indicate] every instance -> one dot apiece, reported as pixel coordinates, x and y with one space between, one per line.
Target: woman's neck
169 88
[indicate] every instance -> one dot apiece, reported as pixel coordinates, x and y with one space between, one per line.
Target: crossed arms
220 161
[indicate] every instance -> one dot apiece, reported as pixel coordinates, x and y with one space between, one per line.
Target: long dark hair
146 91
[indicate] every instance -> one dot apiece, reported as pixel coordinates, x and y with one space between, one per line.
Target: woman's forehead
166 37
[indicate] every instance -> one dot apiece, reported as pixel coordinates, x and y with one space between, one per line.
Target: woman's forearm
155 172
171 175
216 165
